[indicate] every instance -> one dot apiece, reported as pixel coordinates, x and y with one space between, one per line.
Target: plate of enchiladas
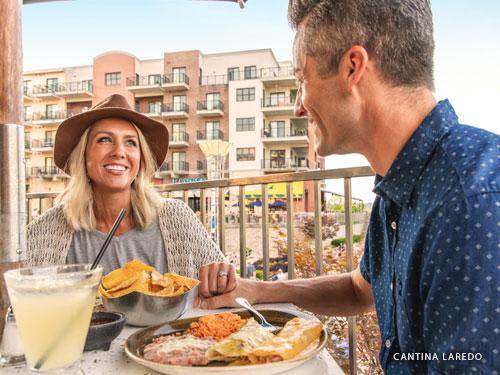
228 343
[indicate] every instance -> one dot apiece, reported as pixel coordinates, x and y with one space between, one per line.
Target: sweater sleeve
188 245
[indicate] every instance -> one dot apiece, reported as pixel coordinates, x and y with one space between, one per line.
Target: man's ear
353 65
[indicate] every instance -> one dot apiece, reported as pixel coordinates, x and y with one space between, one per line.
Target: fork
263 322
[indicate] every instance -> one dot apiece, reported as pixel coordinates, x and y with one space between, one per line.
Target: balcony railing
145 80
202 135
272 102
51 116
180 167
284 163
148 110
45 89
179 136
42 143
175 107
176 78
316 177
72 87
210 105
221 79
277 72
284 132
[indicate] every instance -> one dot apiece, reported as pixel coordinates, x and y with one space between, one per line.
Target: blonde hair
78 198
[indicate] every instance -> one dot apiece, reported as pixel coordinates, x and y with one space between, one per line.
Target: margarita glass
53 306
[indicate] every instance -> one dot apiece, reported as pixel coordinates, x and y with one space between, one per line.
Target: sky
70 33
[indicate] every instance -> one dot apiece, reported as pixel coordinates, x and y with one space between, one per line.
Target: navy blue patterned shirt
432 251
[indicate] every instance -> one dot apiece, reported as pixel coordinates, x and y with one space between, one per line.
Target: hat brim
71 130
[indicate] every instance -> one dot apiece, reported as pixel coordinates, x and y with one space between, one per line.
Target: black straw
105 245
108 239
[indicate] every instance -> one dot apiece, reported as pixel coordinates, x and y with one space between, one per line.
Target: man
431 263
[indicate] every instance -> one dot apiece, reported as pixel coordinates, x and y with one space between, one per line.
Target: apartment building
244 97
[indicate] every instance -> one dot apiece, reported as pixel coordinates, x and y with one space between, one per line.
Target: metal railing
165 167
276 72
284 132
276 102
180 166
51 115
179 136
347 174
201 166
204 135
220 79
42 143
210 105
175 78
317 177
80 86
285 163
174 107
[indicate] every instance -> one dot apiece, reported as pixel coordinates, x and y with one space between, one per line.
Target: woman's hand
216 279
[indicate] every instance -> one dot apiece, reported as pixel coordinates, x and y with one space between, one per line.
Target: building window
180 103
50 110
233 74
179 74
213 101
245 94
178 132
277 129
250 72
112 79
154 107
52 84
245 154
212 129
277 99
245 124
87 85
27 112
27 87
154 79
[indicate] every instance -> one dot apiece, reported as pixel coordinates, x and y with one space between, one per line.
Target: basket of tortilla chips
146 296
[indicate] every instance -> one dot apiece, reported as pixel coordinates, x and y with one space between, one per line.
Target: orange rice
216 326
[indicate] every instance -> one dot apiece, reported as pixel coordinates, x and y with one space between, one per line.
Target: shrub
341 241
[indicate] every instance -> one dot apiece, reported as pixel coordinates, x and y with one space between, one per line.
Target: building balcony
288 135
284 164
41 145
180 167
164 170
175 82
175 110
45 91
278 76
201 166
278 106
221 79
210 108
27 94
52 172
75 91
153 111
49 118
179 139
202 135
143 86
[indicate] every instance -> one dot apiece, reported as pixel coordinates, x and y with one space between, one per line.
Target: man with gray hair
431 261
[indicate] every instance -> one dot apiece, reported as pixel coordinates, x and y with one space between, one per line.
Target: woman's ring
222 274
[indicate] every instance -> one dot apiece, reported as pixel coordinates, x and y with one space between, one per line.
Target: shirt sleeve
460 286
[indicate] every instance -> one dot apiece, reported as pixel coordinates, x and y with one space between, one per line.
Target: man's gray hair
397 34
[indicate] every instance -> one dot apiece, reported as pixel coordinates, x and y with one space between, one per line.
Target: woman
110 152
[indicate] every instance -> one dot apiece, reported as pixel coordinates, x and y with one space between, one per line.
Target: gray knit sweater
187 244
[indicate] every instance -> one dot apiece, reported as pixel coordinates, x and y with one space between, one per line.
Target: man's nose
299 110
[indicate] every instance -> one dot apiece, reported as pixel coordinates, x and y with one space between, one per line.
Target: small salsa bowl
104 328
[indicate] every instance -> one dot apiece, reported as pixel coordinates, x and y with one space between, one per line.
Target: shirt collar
400 180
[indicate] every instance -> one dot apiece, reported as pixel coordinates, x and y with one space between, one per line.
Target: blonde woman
110 152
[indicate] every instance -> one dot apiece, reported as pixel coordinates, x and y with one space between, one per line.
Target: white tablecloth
115 362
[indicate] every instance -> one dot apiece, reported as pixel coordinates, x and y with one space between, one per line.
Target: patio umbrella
277 204
237 204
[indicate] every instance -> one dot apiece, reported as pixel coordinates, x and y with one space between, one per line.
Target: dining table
114 361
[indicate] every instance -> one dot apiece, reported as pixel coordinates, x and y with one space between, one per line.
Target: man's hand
215 279
244 288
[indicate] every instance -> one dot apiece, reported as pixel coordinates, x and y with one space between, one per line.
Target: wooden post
12 197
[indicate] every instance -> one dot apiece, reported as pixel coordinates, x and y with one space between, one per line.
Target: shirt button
394 225
388 343
392 285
